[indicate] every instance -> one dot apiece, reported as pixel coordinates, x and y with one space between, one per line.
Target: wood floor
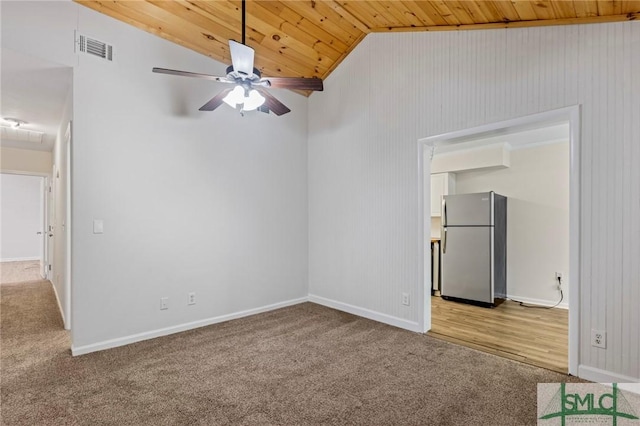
534 336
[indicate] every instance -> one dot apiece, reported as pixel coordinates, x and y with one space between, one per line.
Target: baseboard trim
603 376
19 259
366 313
540 302
126 340
64 318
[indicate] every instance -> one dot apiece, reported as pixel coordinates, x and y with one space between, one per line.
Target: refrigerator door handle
443 225
443 219
444 240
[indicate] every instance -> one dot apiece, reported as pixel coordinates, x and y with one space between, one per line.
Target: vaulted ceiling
309 38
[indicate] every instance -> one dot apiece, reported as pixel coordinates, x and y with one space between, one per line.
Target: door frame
44 217
51 223
426 145
45 210
67 224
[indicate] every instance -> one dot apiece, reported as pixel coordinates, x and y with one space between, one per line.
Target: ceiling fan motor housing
233 74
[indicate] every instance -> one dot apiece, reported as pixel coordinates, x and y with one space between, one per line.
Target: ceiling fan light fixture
235 97
253 101
239 96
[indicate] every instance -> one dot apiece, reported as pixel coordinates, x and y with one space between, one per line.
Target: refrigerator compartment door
468 209
466 265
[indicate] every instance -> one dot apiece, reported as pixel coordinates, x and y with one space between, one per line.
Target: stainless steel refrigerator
474 247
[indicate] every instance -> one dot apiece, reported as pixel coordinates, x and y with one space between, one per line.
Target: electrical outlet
191 299
559 280
599 339
164 303
406 300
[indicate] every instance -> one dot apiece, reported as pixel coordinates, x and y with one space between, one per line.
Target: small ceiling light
13 122
248 100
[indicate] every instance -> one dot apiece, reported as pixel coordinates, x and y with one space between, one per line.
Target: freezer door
466 264
467 209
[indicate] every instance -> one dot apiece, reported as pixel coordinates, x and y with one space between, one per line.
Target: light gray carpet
302 365
16 272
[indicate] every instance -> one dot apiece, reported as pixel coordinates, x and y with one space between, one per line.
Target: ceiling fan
249 91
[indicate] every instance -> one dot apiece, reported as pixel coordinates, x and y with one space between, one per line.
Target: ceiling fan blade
274 105
191 74
296 83
216 101
241 57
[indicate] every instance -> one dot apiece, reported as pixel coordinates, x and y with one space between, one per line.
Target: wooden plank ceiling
309 38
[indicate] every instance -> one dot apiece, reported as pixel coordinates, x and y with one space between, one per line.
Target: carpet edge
147 335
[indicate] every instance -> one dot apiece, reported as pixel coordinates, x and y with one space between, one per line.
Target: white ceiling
33 90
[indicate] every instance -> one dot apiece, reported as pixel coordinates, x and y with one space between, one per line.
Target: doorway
39 93
427 146
23 250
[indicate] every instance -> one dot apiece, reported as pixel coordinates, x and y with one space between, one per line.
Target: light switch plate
98 226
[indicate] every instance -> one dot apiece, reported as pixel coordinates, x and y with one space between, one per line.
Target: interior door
466 263
50 237
44 184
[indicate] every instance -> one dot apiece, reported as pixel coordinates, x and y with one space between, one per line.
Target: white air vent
94 47
21 135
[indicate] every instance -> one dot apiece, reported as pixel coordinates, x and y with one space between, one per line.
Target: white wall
393 89
436 224
25 160
364 220
537 187
211 203
21 217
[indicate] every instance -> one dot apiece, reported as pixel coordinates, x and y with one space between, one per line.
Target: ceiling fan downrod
244 19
